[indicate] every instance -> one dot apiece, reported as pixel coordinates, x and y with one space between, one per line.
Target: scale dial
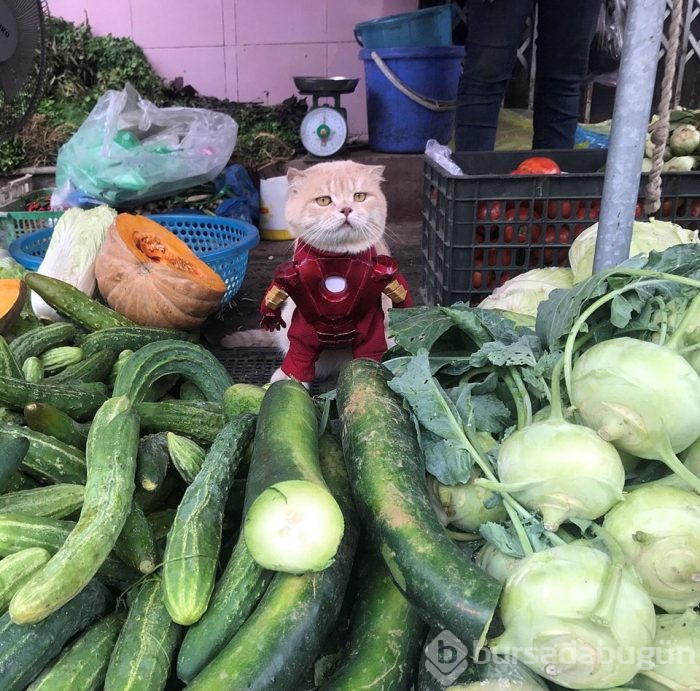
323 131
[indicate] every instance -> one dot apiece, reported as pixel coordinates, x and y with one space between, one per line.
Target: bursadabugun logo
446 657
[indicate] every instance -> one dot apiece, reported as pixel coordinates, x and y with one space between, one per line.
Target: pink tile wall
243 49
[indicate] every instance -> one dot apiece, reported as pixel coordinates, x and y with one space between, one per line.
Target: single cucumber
161 522
161 496
156 360
20 531
146 645
111 458
12 452
49 420
123 356
242 398
59 358
152 461
136 544
132 338
74 304
189 391
192 549
198 420
33 370
48 459
234 503
292 522
16 568
19 481
8 364
239 589
26 650
387 473
83 666
186 455
282 637
386 634
55 501
93 368
37 341
79 401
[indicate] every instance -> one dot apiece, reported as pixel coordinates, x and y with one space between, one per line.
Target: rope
433 104
660 131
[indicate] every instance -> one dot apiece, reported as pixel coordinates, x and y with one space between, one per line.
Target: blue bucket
411 96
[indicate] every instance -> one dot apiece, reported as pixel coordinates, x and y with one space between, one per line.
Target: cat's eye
359 196
323 201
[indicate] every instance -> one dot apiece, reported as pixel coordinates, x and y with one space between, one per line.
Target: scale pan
326 85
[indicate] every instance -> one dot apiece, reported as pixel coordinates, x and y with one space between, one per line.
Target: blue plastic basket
221 243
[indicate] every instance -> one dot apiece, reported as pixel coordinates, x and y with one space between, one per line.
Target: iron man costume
338 299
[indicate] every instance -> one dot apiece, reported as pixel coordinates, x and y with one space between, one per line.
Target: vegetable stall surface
498 494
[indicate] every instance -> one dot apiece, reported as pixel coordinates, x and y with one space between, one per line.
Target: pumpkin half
13 293
153 278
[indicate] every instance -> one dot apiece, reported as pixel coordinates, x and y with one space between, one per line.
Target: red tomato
563 208
695 208
537 165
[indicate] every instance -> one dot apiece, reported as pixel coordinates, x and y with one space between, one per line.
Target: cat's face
337 206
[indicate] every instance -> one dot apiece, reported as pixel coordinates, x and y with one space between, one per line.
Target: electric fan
23 37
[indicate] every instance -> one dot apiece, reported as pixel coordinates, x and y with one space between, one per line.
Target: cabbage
676 655
658 529
684 140
655 235
564 622
523 293
75 243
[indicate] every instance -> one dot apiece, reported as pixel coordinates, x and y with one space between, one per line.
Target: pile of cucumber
161 527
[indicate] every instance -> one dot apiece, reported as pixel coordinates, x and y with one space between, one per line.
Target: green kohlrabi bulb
560 469
658 529
555 624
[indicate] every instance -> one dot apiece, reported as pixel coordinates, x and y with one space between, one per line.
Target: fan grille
23 75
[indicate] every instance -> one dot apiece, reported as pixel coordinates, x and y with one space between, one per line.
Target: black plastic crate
486 226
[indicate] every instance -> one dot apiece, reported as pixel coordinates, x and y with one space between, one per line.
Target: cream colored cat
334 207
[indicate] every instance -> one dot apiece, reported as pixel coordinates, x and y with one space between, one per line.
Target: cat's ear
293 176
377 172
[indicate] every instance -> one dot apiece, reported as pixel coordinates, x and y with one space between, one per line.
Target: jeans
495 30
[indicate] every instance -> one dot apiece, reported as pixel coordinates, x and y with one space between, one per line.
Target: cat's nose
346 211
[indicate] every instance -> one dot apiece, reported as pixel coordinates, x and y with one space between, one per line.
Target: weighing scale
324 128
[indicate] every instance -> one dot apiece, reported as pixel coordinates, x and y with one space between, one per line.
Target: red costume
338 300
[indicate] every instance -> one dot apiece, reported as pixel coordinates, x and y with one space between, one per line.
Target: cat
332 207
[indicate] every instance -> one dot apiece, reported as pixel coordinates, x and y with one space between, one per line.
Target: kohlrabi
676 655
560 469
658 529
642 397
577 616
463 507
496 563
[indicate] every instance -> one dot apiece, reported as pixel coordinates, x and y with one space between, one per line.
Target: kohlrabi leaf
417 328
436 413
524 351
444 459
504 538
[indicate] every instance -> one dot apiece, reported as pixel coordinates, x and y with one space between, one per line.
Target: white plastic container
273 200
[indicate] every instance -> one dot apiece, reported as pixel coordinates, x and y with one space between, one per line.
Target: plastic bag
606 48
128 150
242 196
442 155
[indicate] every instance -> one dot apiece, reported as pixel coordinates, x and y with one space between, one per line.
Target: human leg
494 31
565 30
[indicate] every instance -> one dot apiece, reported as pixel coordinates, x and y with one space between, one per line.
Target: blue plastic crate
221 243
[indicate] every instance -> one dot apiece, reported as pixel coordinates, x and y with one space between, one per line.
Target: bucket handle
433 104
